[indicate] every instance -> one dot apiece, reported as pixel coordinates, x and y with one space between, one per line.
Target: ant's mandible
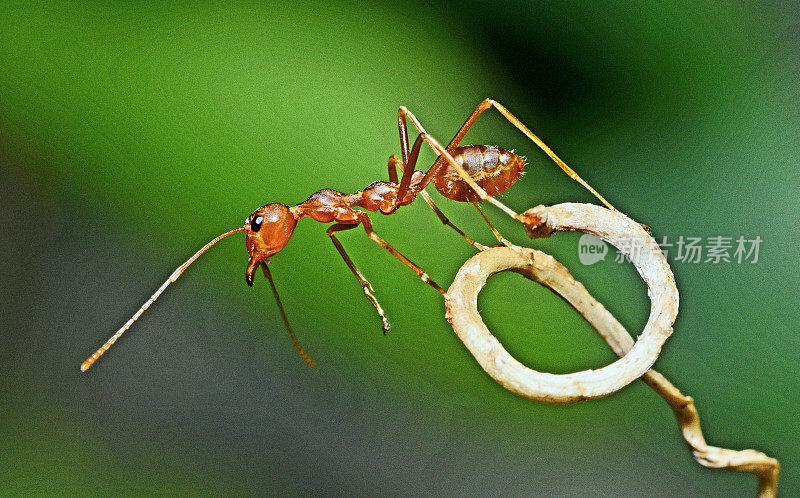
470 173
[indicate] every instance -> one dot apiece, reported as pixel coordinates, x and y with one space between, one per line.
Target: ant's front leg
368 290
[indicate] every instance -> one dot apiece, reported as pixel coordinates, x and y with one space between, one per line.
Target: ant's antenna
177 273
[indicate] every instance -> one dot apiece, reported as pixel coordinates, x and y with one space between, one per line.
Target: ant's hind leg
528 133
404 113
368 290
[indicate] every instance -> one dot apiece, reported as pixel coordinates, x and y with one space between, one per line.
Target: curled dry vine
636 357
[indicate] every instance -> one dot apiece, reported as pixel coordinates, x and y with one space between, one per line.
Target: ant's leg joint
366 285
372 299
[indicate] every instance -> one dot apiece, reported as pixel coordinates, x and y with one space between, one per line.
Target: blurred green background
132 133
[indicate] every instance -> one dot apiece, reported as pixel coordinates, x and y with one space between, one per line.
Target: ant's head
268 230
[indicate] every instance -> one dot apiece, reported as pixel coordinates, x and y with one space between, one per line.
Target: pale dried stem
613 226
544 269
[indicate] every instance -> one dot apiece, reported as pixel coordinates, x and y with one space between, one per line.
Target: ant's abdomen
492 168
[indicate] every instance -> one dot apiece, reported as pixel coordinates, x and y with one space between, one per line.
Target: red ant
473 173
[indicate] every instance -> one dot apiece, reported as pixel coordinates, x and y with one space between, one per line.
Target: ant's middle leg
367 223
368 290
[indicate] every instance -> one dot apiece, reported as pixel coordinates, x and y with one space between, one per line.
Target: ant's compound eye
255 225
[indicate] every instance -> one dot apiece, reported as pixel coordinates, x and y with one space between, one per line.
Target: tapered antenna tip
90 360
177 273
